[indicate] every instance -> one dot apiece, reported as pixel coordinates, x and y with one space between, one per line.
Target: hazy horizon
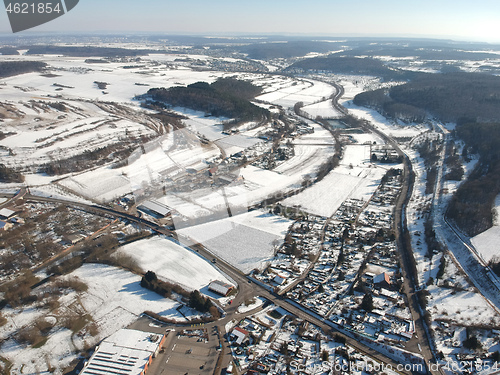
456 20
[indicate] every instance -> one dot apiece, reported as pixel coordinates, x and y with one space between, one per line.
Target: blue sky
458 19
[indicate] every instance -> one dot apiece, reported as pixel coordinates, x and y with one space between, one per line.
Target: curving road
248 290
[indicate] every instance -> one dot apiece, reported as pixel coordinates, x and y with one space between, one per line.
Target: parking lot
188 355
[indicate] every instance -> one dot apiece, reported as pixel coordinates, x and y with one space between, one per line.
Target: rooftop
125 352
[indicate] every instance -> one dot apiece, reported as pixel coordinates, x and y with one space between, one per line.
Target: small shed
73 238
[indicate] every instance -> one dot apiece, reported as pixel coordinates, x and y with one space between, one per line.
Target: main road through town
246 288
249 289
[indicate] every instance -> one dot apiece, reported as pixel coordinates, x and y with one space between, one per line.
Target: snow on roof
384 276
240 334
220 287
5 212
125 352
279 279
389 294
156 207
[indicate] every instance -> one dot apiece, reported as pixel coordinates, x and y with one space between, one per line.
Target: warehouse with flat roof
126 352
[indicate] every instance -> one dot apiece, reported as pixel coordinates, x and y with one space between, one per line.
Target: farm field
173 263
246 241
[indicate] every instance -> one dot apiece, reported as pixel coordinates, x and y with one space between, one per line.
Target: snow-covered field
463 307
173 262
326 196
355 178
162 158
246 241
323 109
486 243
354 85
114 299
294 91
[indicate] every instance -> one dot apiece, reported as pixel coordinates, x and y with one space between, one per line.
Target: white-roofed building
239 335
6 213
154 207
126 352
220 287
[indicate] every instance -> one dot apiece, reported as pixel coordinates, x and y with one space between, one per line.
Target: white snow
355 177
173 262
486 243
114 300
246 241
323 109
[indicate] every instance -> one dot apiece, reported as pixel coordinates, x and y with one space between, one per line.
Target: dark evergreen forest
12 68
226 97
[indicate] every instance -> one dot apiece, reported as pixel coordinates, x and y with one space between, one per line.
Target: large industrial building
126 352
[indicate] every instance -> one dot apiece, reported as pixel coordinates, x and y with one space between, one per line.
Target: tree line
8 174
84 51
388 107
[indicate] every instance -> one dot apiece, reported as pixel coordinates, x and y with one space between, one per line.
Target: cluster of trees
471 342
495 265
391 173
450 97
430 151
424 51
195 299
264 51
227 97
150 281
8 174
101 85
198 302
455 168
453 96
58 105
430 238
329 165
367 302
19 292
442 268
13 68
